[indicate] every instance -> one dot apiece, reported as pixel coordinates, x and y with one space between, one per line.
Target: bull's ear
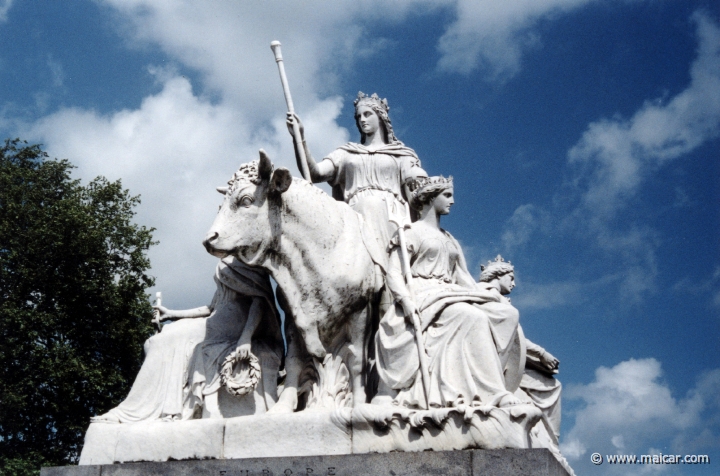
223 190
266 167
281 181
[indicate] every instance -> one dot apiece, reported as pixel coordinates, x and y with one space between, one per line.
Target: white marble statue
538 384
469 331
180 376
389 343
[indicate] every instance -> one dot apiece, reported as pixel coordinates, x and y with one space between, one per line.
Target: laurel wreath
240 376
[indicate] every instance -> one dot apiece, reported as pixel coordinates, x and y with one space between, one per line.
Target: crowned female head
501 272
371 115
427 190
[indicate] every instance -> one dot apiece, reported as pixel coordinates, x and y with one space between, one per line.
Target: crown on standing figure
365 100
495 269
423 182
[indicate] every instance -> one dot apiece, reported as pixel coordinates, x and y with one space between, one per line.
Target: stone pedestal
367 439
364 429
507 462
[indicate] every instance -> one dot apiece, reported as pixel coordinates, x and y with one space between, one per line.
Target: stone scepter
275 46
156 314
401 222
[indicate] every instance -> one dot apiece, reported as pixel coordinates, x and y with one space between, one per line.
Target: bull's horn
222 190
265 167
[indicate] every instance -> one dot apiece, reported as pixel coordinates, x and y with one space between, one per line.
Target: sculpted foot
508 400
504 400
383 400
287 403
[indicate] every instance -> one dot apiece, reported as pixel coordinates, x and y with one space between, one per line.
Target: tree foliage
74 312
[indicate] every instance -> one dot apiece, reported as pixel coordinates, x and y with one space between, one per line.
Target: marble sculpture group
384 326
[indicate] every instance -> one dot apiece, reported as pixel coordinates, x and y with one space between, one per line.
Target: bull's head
243 226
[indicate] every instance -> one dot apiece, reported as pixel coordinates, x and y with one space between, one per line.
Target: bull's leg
311 337
294 361
307 326
356 361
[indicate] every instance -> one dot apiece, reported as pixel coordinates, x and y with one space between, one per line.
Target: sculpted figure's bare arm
319 172
255 316
540 358
173 314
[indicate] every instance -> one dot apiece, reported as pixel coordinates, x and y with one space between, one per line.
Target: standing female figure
369 175
469 332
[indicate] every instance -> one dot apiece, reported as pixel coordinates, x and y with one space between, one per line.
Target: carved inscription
331 471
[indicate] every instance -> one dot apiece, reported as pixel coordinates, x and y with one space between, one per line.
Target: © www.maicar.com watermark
597 458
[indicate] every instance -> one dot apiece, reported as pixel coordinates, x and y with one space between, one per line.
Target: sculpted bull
312 246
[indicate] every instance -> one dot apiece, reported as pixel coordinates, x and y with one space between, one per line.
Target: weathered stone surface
194 439
511 462
536 462
293 434
379 429
100 443
71 471
107 443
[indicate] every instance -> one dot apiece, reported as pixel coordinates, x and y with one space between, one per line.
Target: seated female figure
180 376
469 334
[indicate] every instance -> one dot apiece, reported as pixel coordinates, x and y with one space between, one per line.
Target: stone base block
507 462
107 443
294 434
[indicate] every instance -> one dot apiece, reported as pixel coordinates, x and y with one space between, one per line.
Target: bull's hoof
316 349
287 403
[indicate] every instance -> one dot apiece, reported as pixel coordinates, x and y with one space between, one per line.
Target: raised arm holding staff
366 175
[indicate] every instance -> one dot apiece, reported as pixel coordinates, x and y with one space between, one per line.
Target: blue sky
583 137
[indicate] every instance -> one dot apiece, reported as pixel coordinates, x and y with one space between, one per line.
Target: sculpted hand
162 313
549 361
243 351
408 308
292 118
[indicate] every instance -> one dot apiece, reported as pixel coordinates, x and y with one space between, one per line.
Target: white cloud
4 7
56 71
548 295
520 226
615 156
493 35
222 39
173 151
628 409
229 43
552 295
700 286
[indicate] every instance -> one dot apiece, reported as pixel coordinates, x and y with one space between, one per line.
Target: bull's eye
245 201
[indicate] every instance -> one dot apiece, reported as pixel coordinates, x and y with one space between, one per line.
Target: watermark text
597 458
